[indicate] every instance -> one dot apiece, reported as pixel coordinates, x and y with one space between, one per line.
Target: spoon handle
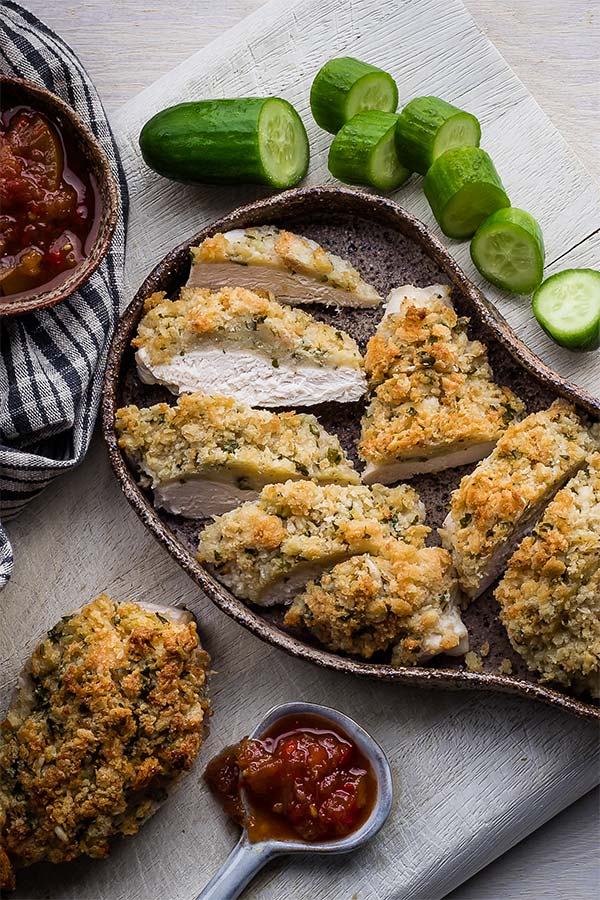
242 864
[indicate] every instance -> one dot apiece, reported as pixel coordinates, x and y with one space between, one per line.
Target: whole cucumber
244 140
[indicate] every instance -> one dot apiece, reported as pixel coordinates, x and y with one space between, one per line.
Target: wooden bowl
389 247
15 91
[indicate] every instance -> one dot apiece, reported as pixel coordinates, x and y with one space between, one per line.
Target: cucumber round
463 188
567 306
249 139
346 86
508 250
428 126
364 152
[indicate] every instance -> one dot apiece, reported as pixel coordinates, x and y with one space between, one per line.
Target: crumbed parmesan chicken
268 550
550 594
294 269
110 713
499 501
206 455
434 404
237 343
404 597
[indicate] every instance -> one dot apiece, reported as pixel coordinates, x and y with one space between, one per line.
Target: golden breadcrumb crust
301 522
433 387
202 435
368 603
528 463
236 316
280 249
112 713
550 593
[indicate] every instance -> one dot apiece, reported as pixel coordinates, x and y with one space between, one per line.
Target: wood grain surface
552 45
69 545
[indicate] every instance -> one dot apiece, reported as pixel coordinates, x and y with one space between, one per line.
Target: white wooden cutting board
475 772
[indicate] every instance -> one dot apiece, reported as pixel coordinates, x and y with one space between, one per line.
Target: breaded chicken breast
403 596
294 269
497 503
109 714
434 403
268 550
550 594
236 343
206 455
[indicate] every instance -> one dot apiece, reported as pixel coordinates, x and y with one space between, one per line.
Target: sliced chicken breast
294 269
550 594
110 712
434 403
404 597
246 346
268 550
206 455
500 500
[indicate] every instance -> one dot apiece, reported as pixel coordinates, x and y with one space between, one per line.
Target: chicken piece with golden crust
435 404
206 455
403 596
293 268
550 594
110 712
496 504
267 550
236 343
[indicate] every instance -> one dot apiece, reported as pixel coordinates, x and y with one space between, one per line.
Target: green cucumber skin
331 87
453 170
418 125
352 148
510 215
591 338
207 142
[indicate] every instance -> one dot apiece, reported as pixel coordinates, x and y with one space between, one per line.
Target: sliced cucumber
248 139
508 250
282 143
428 126
567 306
347 86
463 188
364 152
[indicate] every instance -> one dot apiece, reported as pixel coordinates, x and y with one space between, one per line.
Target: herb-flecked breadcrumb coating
238 317
495 503
110 712
206 435
402 597
321 276
435 402
299 524
550 594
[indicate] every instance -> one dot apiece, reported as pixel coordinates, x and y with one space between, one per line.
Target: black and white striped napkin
52 362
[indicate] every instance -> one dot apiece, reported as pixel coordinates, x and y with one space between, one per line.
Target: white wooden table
553 47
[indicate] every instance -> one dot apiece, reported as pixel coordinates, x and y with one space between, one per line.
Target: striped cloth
52 362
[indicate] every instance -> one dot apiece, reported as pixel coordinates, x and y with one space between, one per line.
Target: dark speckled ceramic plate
389 247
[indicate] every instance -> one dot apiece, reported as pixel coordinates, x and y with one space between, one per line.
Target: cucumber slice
428 126
282 144
508 250
463 188
248 139
346 86
364 152
567 306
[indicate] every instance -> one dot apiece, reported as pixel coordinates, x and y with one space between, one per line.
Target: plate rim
370 205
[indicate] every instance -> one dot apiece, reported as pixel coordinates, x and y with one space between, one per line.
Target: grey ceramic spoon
246 859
